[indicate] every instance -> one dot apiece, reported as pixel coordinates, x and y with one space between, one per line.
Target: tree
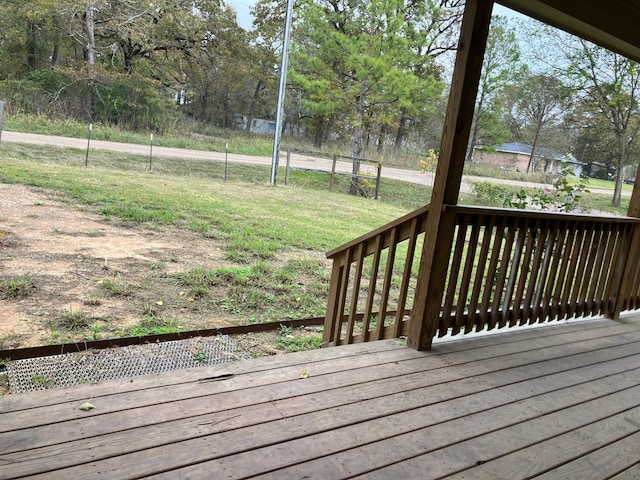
611 85
356 59
605 83
431 29
500 68
542 99
28 36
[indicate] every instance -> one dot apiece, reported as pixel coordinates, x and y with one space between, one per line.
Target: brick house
515 156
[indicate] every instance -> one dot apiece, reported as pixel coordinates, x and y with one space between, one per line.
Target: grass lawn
262 231
272 239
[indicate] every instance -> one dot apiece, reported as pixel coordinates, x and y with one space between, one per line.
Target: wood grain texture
534 396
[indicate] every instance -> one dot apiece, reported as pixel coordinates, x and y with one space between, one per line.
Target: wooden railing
506 268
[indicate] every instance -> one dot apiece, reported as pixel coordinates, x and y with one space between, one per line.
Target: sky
244 17
242 8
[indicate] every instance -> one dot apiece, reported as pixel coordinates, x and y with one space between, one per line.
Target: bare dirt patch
111 276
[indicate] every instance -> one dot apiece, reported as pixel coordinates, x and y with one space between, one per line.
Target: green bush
494 195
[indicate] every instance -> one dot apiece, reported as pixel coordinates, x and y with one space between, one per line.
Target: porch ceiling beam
440 226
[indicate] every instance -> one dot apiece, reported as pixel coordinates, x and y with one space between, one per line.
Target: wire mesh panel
93 366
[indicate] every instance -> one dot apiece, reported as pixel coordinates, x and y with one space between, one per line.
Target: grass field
260 229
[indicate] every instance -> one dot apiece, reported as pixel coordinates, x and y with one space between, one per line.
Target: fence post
86 158
286 172
333 171
226 159
150 151
378 180
1 119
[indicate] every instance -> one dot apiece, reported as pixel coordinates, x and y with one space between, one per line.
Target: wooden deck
552 402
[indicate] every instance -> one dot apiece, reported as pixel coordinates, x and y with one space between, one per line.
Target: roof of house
524 149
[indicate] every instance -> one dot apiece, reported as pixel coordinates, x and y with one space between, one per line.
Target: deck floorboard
553 402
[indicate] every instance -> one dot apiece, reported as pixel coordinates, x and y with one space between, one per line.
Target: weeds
16 287
117 286
200 356
291 343
93 301
39 380
152 325
72 319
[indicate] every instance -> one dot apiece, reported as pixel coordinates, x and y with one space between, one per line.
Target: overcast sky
245 18
242 8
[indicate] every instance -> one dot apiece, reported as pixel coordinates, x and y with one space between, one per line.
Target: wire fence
336 169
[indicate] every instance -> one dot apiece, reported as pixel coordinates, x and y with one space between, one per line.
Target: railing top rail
489 211
395 223
517 213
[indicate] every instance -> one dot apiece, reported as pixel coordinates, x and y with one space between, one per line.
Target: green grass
16 286
71 319
295 289
212 139
254 220
117 285
152 325
274 237
290 342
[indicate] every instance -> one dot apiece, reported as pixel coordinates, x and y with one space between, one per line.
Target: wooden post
286 172
333 171
455 137
1 119
378 175
628 258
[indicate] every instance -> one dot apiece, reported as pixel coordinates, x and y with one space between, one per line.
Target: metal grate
92 366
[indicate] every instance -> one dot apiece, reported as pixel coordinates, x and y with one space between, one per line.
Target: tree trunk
475 129
254 102
381 139
204 102
357 140
32 43
474 138
533 147
89 24
622 160
54 54
319 127
402 127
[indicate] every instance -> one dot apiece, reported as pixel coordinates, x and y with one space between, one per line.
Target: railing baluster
561 289
496 314
554 281
511 311
575 273
466 276
491 275
373 280
506 268
355 293
388 273
540 237
406 277
526 233
590 270
598 302
541 300
479 280
333 315
454 270
342 296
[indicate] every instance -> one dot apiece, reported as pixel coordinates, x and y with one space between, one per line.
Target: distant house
259 126
515 156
